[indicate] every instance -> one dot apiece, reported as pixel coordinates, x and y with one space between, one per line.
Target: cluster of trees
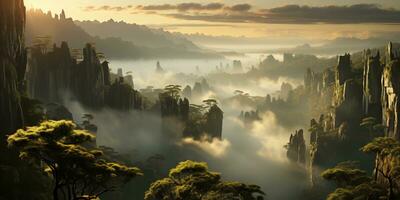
354 183
192 180
79 171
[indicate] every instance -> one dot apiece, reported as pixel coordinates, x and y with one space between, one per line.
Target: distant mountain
336 46
59 28
138 34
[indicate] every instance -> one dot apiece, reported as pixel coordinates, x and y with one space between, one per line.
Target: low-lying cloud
215 147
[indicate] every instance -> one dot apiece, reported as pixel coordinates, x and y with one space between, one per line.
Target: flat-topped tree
192 181
173 90
386 147
353 183
77 172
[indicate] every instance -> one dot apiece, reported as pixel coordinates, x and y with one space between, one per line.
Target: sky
252 18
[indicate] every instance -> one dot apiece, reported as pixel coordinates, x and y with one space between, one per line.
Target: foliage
382 146
389 149
210 103
353 183
192 181
173 90
374 128
77 172
345 174
42 43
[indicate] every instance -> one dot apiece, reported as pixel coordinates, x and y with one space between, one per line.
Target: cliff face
372 89
54 75
374 93
296 148
12 65
390 94
337 135
214 120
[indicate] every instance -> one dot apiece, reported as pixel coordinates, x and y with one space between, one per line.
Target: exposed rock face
296 148
214 120
343 69
12 65
338 129
390 94
349 107
54 75
14 173
372 88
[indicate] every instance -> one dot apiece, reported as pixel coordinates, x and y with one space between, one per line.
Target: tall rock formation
15 175
55 74
214 120
343 69
372 87
296 148
12 65
390 94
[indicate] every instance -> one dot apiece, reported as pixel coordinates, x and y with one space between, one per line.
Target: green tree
192 181
77 172
352 183
173 90
208 103
373 126
386 147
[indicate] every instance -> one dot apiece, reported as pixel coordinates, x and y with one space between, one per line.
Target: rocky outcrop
390 94
343 69
296 148
54 76
372 89
12 65
179 118
214 120
349 105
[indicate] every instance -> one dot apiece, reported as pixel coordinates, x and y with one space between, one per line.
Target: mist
251 153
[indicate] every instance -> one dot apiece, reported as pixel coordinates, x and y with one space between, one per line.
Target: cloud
246 13
239 7
215 147
107 8
184 7
296 14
